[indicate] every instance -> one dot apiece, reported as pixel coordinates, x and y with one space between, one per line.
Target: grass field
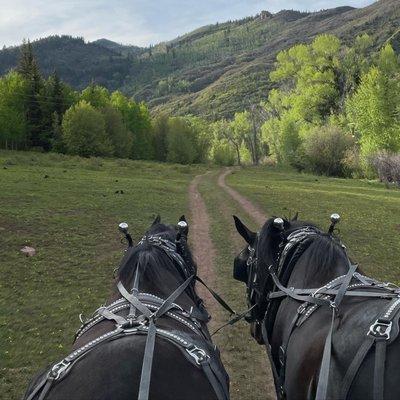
67 209
370 225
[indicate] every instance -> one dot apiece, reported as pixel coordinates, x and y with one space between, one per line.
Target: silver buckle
58 369
198 354
380 329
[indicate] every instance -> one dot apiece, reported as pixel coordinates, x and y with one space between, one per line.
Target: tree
55 97
29 69
182 141
84 131
117 132
137 120
223 130
13 123
160 132
373 110
96 95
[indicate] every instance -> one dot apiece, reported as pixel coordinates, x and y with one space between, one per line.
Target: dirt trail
201 243
255 213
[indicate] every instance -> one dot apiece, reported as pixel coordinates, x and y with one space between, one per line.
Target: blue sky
139 22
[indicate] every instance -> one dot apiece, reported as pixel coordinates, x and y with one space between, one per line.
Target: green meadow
68 209
370 212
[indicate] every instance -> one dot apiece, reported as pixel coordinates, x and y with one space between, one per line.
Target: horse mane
152 263
324 253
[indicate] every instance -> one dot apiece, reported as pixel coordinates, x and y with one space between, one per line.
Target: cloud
139 22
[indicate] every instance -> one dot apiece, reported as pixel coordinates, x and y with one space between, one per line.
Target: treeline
335 110
48 115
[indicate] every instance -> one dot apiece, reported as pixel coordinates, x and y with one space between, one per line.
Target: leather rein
382 331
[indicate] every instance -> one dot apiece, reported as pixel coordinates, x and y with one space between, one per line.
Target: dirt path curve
200 240
255 213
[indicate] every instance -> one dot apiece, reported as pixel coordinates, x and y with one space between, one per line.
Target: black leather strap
144 387
379 368
323 379
355 366
216 296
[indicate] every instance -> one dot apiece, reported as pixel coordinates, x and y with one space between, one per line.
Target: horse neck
159 287
305 275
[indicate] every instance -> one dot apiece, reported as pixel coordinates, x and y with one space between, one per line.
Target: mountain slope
76 61
214 70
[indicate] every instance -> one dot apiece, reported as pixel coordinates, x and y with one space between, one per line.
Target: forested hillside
213 71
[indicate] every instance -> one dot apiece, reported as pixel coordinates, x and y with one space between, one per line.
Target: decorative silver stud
279 223
123 227
335 218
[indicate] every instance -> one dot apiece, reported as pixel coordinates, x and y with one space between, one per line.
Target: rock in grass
28 251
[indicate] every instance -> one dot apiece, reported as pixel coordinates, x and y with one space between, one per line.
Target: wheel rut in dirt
255 212
203 248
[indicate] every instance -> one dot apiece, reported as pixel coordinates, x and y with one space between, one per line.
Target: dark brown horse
150 341
330 331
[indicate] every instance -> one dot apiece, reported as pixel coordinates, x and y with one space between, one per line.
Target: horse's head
160 260
252 264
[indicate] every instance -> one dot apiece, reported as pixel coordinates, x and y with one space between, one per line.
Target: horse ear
157 220
295 217
182 218
244 232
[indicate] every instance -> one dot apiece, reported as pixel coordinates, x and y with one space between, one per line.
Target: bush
325 150
223 154
352 165
387 167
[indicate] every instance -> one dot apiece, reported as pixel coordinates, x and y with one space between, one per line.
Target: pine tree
29 69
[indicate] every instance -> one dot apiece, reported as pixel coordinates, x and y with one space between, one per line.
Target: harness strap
350 293
355 365
379 368
106 313
134 300
38 387
277 384
292 292
168 303
46 389
323 379
216 296
144 387
383 331
216 385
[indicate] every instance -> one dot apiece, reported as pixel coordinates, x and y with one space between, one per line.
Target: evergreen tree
29 69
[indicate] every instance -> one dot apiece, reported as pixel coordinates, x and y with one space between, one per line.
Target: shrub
223 154
387 167
325 150
352 165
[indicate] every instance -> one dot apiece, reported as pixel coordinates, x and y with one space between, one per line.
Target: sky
137 22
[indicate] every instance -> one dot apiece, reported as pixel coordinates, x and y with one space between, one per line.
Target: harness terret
136 314
383 330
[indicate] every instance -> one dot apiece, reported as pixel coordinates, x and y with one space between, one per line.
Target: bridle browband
383 330
143 311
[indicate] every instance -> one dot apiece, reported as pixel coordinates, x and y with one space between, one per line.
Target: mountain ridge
214 70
